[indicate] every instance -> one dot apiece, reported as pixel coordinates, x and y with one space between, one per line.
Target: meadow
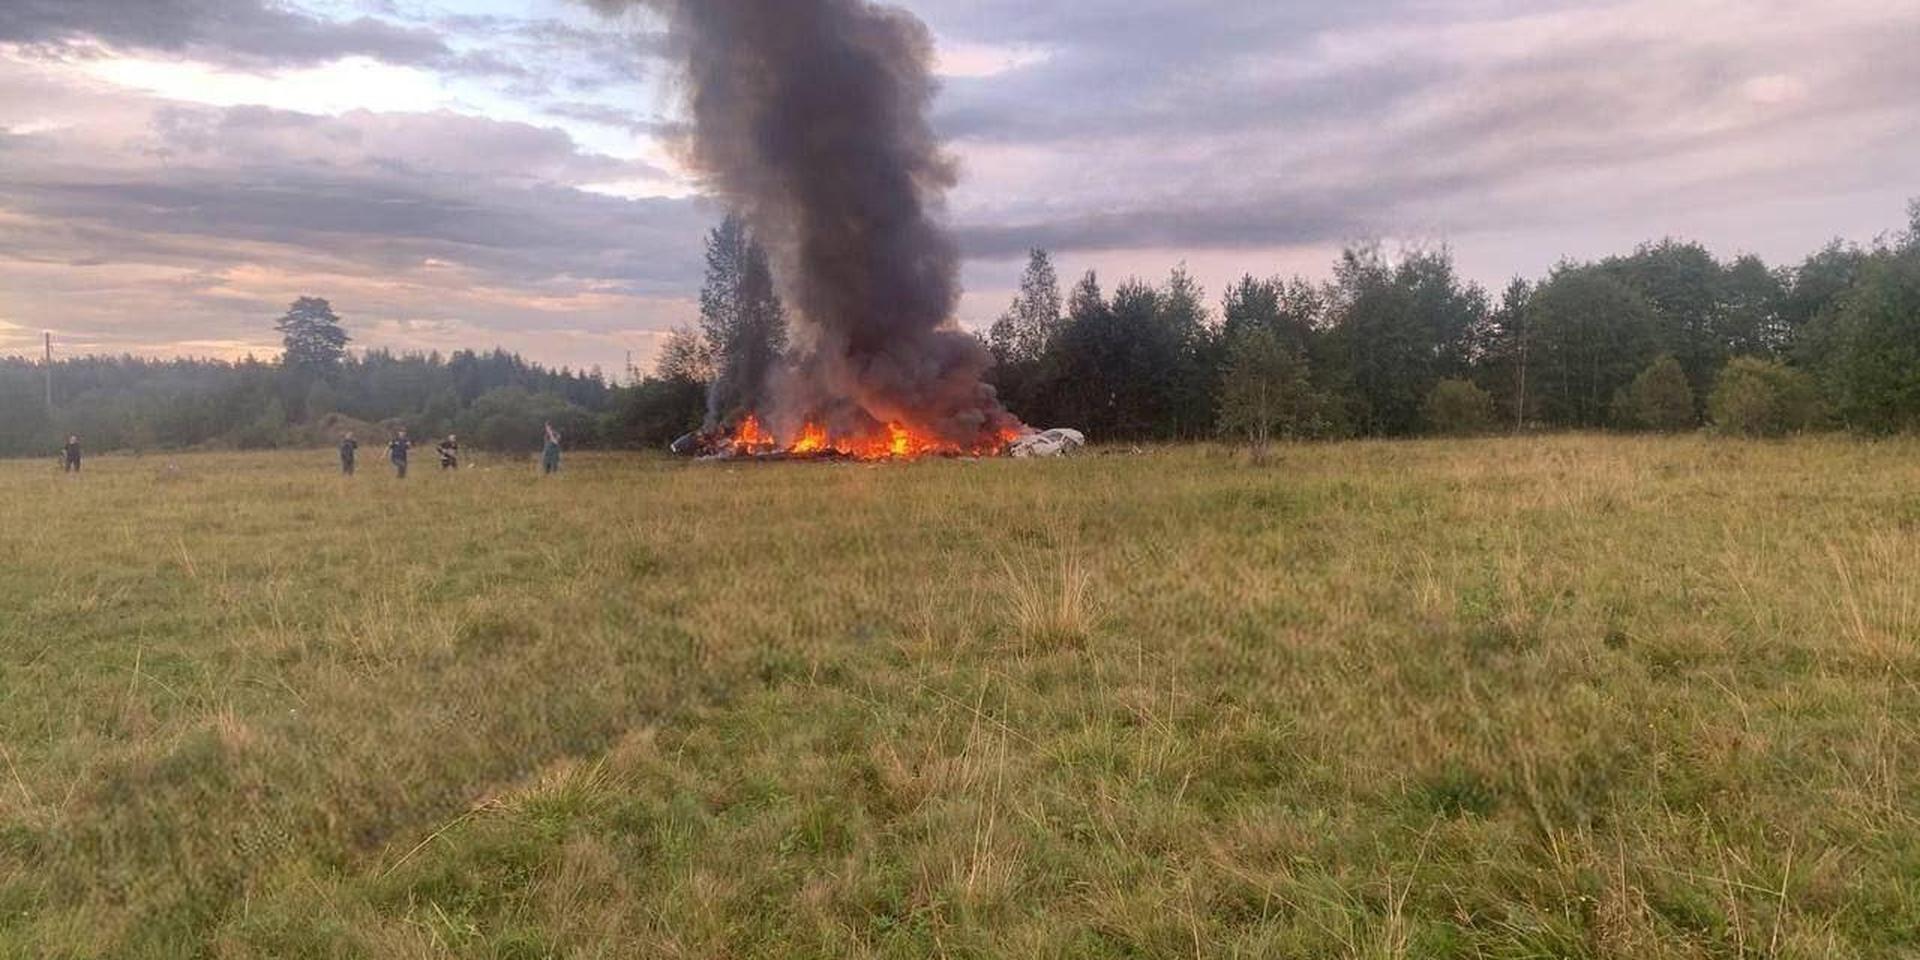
1571 696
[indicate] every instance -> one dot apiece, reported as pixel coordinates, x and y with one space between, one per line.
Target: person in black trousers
348 447
71 461
397 452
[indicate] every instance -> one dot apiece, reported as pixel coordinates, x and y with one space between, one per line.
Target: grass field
1572 696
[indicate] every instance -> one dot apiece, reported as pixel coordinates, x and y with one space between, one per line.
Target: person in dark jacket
348 447
71 456
449 450
550 451
397 452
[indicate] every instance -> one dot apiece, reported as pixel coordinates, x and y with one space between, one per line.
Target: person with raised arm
550 451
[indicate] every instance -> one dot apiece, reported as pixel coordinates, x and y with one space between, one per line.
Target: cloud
1118 132
168 223
244 32
1217 125
619 118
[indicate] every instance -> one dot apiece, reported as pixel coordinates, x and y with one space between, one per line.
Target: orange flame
751 436
813 439
896 441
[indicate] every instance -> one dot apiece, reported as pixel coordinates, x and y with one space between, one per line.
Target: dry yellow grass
1569 696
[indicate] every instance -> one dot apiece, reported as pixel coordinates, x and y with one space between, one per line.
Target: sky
480 173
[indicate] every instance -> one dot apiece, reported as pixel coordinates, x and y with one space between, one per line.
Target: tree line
1666 337
313 392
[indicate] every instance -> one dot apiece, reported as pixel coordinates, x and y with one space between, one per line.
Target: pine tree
741 318
314 340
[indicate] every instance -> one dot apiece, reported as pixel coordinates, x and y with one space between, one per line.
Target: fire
751 437
813 439
894 441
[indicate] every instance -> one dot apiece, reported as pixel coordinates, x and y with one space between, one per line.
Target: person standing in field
397 452
348 447
70 462
550 451
449 450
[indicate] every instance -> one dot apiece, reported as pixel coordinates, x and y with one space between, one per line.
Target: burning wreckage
810 121
751 440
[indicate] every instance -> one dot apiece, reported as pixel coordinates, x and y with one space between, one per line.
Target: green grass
1576 696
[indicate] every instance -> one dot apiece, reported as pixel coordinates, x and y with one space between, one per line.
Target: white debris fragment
1047 443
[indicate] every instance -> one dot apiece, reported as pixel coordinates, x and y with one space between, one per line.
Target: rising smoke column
810 117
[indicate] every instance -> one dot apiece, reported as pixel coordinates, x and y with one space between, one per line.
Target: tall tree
1400 329
741 318
1293 309
1195 358
1591 334
1021 334
1020 338
1265 391
1249 305
1078 384
1682 283
1750 310
1501 349
1872 366
1139 363
1807 307
314 340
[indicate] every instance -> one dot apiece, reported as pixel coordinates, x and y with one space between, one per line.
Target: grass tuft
1049 607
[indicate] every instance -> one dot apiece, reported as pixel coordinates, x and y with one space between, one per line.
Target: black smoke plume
810 118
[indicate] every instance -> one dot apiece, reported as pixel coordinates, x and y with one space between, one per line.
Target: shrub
656 412
1658 399
1458 408
1762 398
267 431
511 420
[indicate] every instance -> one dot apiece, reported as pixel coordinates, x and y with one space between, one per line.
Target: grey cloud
618 118
430 145
267 33
512 237
244 31
543 56
1213 125
386 191
1272 223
